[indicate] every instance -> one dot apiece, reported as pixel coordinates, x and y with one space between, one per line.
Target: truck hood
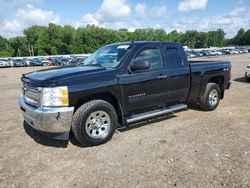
49 76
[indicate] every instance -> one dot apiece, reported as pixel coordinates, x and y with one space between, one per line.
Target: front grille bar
31 95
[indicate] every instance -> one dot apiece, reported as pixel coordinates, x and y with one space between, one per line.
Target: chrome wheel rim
98 124
213 97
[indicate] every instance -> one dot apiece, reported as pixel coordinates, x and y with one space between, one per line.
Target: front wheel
94 123
211 98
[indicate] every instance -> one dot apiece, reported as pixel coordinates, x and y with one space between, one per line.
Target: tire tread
79 116
203 101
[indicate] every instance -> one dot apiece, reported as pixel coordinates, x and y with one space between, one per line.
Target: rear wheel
94 123
247 78
211 98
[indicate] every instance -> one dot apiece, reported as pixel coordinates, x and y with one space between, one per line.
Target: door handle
162 76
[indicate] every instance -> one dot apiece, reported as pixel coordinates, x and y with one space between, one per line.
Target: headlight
53 97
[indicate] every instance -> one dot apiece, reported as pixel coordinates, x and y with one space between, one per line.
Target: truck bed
200 75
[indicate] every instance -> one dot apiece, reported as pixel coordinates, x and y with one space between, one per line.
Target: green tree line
55 39
242 38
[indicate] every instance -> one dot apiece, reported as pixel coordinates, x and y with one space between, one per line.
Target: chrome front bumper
52 120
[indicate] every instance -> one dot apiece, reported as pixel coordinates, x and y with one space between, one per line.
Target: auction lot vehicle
5 63
247 74
19 63
36 62
120 84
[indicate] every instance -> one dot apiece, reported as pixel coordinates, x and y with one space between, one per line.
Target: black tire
80 118
247 78
205 100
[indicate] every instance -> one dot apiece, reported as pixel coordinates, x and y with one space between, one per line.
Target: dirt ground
191 148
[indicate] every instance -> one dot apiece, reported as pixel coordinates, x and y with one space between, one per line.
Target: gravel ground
186 149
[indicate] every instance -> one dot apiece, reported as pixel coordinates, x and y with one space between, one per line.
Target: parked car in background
245 50
218 52
19 63
5 63
213 53
238 51
190 54
227 52
76 60
58 61
51 62
247 74
197 53
65 62
45 62
80 59
73 60
205 52
36 62
235 51
28 61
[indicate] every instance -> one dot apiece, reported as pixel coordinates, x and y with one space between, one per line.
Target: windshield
108 57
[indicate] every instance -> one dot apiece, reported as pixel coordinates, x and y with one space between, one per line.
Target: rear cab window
173 57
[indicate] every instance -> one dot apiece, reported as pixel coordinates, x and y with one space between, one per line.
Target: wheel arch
106 96
220 80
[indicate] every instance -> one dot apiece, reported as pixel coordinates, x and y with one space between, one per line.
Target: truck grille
31 95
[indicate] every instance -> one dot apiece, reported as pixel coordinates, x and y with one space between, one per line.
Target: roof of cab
147 42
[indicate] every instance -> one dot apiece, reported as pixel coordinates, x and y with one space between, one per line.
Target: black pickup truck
117 85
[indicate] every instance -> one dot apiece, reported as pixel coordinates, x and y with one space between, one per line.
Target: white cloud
1 4
113 10
90 19
135 25
31 15
26 17
118 14
19 3
157 26
110 12
159 11
192 5
140 10
230 22
222 21
237 11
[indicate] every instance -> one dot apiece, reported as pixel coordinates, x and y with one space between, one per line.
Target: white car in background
218 53
5 63
247 74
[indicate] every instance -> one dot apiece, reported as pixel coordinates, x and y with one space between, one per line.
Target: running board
153 113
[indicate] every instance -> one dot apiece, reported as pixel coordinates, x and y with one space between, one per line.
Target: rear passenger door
178 72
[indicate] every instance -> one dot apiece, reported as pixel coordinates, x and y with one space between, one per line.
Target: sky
180 15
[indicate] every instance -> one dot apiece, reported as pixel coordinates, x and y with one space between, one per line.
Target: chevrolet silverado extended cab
117 85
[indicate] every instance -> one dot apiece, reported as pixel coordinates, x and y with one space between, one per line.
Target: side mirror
139 65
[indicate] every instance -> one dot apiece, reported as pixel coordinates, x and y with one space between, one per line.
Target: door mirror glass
139 65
